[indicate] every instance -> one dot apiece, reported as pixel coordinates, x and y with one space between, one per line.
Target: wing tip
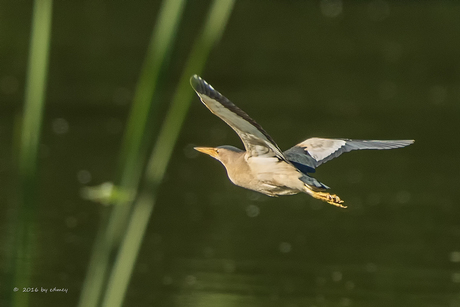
195 82
389 144
405 143
201 86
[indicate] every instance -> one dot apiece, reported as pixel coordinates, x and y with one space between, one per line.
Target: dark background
355 69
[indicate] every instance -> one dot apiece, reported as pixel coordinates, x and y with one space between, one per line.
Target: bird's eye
217 150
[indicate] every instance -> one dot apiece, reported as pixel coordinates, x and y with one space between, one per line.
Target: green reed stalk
161 154
131 158
37 72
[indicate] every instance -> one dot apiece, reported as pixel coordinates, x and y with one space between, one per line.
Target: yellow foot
330 199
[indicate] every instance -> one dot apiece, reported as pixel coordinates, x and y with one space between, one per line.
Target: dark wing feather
313 152
255 139
301 159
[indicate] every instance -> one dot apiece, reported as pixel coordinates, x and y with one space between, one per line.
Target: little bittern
263 167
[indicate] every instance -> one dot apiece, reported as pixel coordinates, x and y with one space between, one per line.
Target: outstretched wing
256 141
313 152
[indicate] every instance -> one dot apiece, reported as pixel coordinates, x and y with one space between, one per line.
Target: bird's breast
266 175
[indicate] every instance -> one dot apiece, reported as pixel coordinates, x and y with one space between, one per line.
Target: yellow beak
208 150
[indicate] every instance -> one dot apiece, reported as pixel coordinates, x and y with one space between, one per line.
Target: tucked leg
324 196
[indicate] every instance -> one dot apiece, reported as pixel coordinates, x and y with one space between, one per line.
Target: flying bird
262 166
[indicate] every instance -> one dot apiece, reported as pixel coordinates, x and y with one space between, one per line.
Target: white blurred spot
122 96
254 196
285 247
252 211
9 84
403 197
378 10
455 256
331 8
438 94
60 126
102 193
83 176
71 221
336 276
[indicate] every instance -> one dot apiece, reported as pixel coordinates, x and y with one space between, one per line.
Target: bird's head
225 154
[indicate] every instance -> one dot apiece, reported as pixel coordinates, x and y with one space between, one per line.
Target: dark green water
365 70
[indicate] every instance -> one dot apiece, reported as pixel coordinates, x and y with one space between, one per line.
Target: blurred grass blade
29 144
161 154
160 45
131 159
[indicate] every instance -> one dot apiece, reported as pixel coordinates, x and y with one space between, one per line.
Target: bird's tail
324 196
